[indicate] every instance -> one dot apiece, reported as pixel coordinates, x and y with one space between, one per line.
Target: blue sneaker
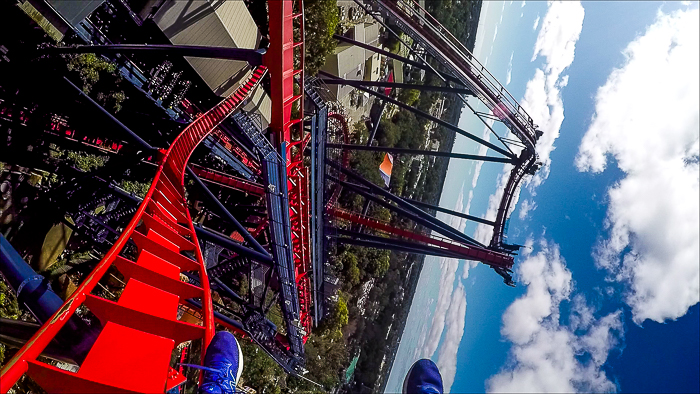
423 378
223 364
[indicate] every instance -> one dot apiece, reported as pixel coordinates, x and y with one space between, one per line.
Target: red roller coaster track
287 91
140 331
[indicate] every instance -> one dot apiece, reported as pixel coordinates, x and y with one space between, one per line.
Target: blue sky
608 288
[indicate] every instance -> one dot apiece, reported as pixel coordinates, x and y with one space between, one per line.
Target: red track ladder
133 351
285 78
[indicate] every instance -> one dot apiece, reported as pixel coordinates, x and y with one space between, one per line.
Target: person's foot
223 364
423 378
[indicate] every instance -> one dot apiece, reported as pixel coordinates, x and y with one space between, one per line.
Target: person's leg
223 364
423 378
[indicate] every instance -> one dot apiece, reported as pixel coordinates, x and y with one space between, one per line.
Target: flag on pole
385 168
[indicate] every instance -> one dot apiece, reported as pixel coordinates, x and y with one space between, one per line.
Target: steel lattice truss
459 67
277 242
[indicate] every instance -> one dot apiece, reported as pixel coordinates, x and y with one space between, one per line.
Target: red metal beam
227 180
469 252
287 86
226 142
123 342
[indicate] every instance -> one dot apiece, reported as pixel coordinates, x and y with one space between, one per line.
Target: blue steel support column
242 230
252 56
404 151
35 293
428 117
111 117
435 224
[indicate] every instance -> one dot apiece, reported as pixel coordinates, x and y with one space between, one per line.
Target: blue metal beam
252 56
34 291
225 213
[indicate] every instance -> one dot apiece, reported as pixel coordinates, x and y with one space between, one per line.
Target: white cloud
455 320
482 152
557 38
548 283
547 356
437 326
537 23
556 41
581 317
509 72
525 208
522 4
653 215
429 344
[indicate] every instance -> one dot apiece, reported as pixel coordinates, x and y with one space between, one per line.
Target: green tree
353 275
339 315
409 96
412 134
380 213
261 372
352 271
360 133
336 319
8 310
326 359
137 188
321 22
86 161
94 71
398 177
392 43
90 67
379 262
388 133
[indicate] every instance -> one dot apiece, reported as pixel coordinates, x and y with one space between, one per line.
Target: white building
221 24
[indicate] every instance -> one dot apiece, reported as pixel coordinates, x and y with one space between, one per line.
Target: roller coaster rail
132 352
453 55
161 246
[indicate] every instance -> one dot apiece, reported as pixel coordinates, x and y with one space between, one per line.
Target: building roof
216 23
373 67
371 33
75 11
222 23
347 62
398 70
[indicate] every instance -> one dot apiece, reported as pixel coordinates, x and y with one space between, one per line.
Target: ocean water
417 323
458 184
